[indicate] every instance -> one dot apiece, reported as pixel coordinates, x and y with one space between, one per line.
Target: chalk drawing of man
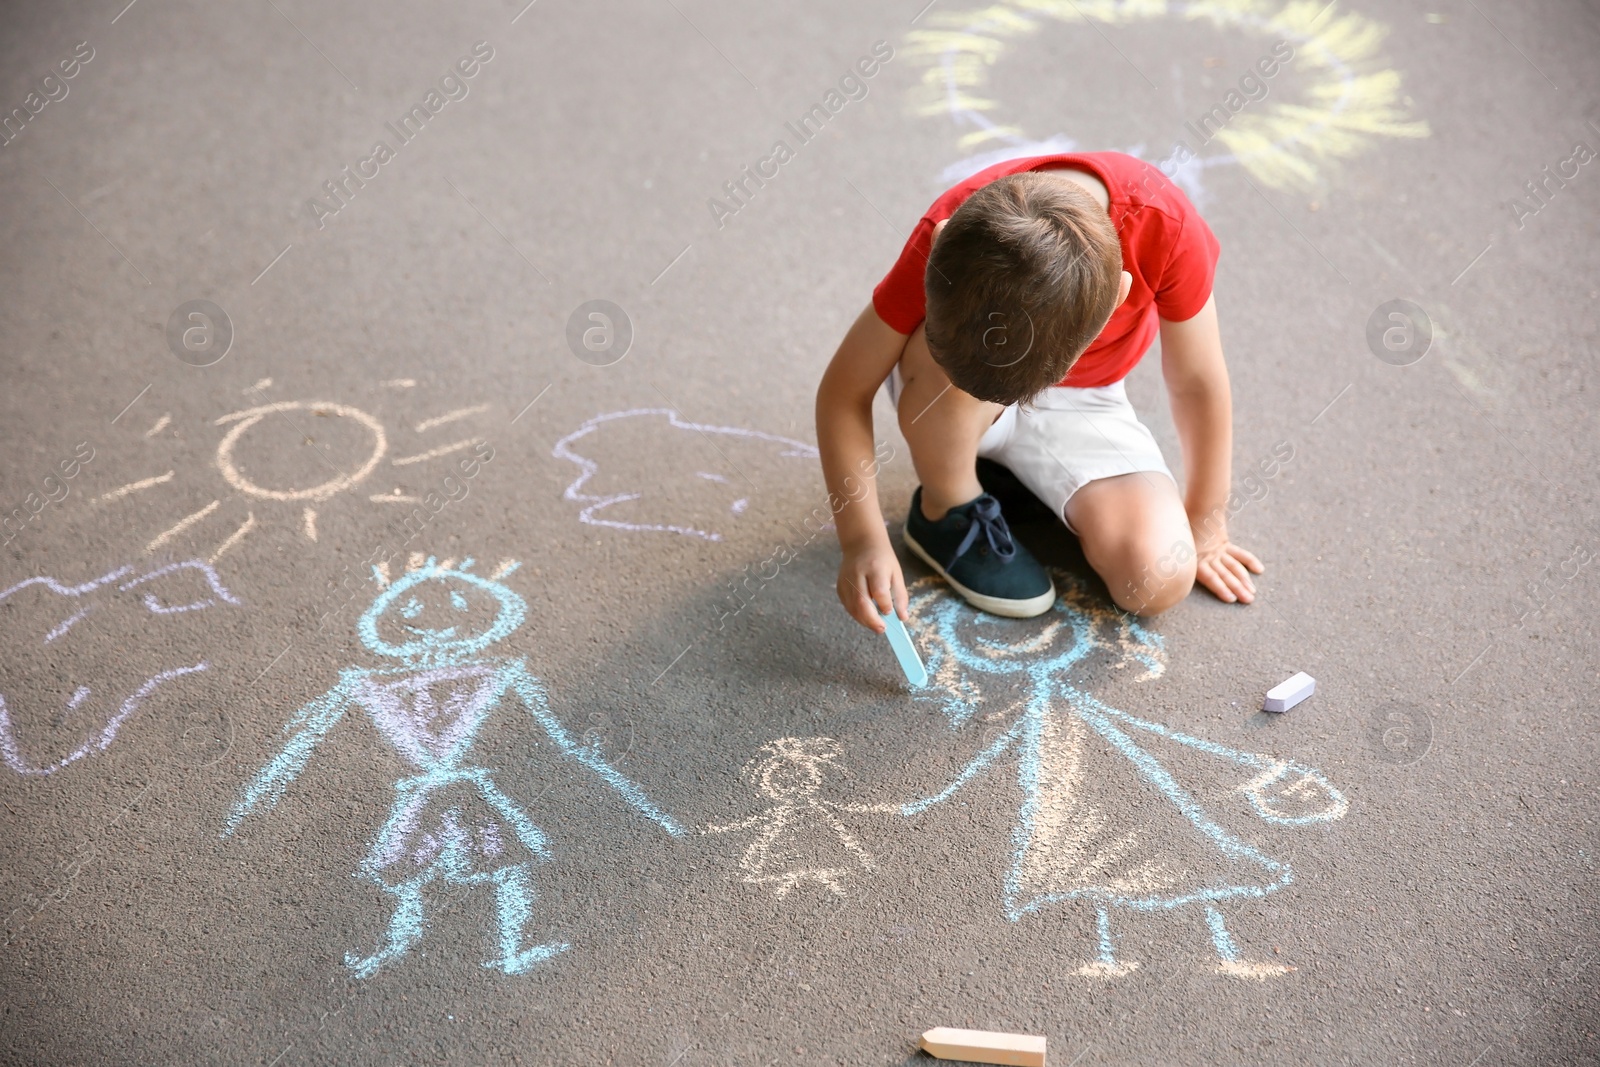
449 823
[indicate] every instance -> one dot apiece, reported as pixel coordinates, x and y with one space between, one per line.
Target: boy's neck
1084 180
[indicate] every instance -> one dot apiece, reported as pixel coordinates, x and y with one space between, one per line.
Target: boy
1022 300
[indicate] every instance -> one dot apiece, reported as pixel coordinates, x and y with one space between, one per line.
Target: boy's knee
1151 577
1169 594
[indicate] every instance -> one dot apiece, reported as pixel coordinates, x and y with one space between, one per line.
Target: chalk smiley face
437 611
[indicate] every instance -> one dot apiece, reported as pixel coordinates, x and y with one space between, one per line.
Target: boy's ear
938 228
1123 288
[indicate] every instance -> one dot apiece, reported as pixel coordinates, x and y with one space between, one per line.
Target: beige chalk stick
984 1046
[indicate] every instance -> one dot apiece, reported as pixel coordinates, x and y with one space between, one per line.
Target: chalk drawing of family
450 823
1109 818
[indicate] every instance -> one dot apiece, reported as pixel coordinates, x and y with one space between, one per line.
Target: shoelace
985 518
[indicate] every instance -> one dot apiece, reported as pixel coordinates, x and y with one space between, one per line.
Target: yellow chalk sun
1346 98
348 472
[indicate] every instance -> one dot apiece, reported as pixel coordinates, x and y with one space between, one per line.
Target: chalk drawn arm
1280 791
870 809
532 694
308 727
742 824
977 766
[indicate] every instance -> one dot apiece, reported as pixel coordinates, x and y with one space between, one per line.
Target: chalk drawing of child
1108 817
799 839
449 823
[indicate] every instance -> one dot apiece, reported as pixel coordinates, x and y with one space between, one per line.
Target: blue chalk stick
905 651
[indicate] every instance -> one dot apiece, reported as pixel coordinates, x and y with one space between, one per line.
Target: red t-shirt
1166 246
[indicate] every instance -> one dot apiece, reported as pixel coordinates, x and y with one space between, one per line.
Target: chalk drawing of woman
1110 814
449 822
799 839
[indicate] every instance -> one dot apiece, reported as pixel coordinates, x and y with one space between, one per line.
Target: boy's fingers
1238 582
853 595
902 604
1248 558
1212 581
867 615
1237 567
883 593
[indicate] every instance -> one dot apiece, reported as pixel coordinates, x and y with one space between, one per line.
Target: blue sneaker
973 550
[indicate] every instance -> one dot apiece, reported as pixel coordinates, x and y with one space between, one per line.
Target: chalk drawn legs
513 887
1107 965
514 905
405 928
1229 960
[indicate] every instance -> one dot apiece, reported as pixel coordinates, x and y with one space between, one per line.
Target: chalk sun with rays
345 468
1347 96
449 824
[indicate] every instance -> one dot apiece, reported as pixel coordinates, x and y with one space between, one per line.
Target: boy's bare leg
943 426
1135 534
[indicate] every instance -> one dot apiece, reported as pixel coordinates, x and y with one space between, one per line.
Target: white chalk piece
984 1046
904 650
1286 695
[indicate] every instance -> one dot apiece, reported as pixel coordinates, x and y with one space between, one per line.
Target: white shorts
1066 439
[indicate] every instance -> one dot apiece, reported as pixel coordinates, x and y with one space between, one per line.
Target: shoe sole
1011 609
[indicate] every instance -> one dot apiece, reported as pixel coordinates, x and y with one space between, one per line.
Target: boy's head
1020 280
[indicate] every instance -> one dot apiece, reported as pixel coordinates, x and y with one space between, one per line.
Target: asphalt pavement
304 307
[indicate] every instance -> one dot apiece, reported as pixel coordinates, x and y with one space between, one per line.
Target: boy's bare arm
1202 408
869 576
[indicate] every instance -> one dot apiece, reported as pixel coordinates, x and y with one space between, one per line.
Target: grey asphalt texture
1430 546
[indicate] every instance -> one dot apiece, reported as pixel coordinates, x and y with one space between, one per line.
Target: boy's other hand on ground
1225 568
870 584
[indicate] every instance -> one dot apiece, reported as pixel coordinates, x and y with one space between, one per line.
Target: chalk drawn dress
1105 818
799 843
449 821
800 839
